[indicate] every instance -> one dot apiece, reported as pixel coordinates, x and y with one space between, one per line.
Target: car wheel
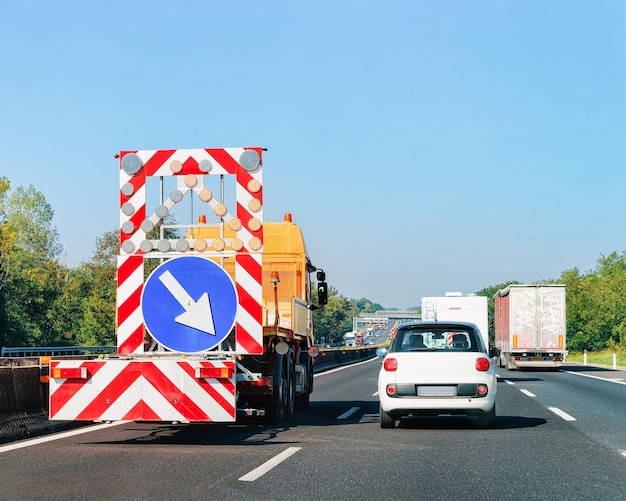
488 419
386 420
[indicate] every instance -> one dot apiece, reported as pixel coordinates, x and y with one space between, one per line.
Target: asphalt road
559 435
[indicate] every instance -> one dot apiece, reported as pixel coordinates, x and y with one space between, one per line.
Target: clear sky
422 146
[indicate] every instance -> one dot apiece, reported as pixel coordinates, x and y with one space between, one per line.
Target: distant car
437 368
371 342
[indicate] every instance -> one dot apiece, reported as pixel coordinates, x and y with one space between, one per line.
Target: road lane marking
528 393
617 381
562 414
268 465
375 394
349 413
58 436
509 382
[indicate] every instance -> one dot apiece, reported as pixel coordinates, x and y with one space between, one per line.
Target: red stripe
137 182
185 405
133 342
209 387
247 342
128 307
141 412
128 267
248 303
69 387
111 392
251 265
157 160
228 163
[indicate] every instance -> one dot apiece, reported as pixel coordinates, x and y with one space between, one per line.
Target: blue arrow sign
189 304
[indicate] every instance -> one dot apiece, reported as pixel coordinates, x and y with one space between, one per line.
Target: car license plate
436 391
536 359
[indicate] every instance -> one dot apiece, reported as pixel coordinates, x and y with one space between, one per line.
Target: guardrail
29 351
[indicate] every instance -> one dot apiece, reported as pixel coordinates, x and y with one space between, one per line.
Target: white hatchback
434 369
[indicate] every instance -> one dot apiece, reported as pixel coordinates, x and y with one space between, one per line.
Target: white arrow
197 315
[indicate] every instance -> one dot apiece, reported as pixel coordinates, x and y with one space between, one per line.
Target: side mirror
381 352
322 293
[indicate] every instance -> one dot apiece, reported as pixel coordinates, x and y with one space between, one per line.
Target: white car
437 368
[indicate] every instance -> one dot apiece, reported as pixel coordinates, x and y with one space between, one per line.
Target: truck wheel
290 394
303 400
276 411
386 420
487 419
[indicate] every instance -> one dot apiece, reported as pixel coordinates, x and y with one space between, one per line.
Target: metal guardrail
29 351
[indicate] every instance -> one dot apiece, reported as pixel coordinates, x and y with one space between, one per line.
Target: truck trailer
530 326
214 315
456 307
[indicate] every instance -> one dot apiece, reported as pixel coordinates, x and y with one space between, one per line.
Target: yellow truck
214 316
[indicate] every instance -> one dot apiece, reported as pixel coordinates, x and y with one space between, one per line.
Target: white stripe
57 436
346 367
509 382
268 465
562 414
596 377
527 393
349 413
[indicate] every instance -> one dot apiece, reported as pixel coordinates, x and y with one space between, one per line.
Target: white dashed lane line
268 465
555 410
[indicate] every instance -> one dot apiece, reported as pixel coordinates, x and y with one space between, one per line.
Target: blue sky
422 146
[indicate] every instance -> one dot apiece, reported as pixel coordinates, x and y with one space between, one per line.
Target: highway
559 435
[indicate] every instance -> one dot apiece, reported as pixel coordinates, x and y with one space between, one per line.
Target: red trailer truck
530 327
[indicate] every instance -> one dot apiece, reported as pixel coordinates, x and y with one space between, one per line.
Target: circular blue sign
189 304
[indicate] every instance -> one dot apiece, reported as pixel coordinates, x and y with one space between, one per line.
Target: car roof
451 325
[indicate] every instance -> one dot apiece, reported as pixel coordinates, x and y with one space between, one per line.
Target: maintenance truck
454 306
530 326
214 317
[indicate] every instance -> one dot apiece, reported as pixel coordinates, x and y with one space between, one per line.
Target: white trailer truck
454 306
530 329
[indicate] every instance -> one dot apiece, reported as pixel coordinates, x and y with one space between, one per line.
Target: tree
335 319
31 278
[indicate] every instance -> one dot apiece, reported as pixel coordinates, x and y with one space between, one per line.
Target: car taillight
390 364
482 390
391 390
482 364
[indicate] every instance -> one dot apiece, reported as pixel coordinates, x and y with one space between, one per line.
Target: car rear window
451 339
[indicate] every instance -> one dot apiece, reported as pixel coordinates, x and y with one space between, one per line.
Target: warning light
69 373
274 277
202 219
214 372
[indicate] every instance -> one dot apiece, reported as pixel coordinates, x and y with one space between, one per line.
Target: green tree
31 278
335 319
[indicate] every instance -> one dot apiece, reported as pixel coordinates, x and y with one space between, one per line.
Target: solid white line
527 393
268 465
349 413
58 436
562 414
595 377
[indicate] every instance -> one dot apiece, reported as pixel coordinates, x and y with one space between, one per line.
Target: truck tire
290 392
386 420
303 400
487 420
276 408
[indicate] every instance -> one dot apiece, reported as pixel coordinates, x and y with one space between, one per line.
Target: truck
454 306
530 326
349 339
214 316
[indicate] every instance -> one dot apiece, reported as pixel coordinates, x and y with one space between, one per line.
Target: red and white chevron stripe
147 390
248 270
